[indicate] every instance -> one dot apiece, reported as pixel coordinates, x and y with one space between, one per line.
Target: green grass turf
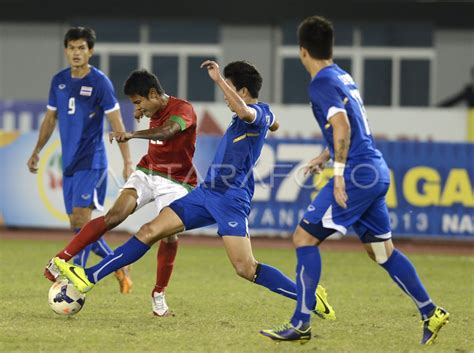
218 312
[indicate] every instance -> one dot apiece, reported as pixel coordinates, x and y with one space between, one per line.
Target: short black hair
75 33
316 35
244 74
140 82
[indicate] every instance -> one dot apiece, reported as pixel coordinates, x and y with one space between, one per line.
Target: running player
223 198
79 97
354 197
163 175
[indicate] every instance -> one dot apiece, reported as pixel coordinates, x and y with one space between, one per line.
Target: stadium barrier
431 192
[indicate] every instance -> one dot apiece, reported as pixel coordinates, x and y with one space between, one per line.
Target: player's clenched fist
120 136
33 163
212 69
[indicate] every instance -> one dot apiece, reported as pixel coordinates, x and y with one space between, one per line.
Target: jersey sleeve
52 100
325 95
262 119
106 97
184 116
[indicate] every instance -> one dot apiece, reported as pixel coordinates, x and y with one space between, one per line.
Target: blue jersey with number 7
81 104
331 91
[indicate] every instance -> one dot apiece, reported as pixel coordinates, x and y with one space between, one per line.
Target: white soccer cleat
51 272
158 303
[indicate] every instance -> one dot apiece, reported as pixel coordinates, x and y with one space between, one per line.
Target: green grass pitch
218 312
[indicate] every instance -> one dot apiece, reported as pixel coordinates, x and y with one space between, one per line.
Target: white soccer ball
64 298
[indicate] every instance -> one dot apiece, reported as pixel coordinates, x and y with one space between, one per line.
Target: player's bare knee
145 233
171 239
302 238
113 218
245 269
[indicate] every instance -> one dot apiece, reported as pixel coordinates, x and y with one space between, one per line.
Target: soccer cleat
158 303
288 333
433 324
123 277
75 274
323 309
51 272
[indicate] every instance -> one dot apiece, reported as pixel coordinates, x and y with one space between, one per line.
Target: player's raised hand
33 163
340 191
212 69
120 136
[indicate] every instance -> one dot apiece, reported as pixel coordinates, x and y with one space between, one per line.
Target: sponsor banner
431 193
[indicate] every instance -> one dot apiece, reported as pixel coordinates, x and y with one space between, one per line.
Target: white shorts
154 188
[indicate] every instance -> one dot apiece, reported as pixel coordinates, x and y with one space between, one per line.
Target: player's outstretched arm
115 120
162 133
46 129
342 140
237 104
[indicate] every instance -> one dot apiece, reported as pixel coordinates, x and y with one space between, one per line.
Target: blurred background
413 62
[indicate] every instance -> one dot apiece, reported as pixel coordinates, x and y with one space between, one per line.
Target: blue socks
308 272
275 280
81 258
101 248
404 274
129 252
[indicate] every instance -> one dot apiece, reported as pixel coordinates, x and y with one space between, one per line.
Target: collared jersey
332 91
81 104
238 152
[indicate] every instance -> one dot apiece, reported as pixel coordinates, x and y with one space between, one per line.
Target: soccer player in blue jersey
79 97
223 198
354 197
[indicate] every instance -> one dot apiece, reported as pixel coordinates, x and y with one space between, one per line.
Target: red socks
90 233
165 261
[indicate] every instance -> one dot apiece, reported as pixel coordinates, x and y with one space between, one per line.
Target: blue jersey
331 91
80 104
238 152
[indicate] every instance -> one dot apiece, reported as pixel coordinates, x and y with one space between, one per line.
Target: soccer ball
64 298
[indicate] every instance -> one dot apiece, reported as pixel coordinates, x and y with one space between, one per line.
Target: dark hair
316 35
75 33
140 82
243 74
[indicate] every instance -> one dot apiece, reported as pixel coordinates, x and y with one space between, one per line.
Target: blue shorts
366 212
203 207
84 189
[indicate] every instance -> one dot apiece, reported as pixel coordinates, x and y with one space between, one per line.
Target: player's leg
374 231
165 191
165 224
165 257
185 212
239 251
133 196
79 217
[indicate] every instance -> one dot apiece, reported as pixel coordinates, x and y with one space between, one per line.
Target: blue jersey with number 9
81 104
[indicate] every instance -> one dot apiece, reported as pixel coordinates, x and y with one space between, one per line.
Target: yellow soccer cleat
288 333
75 274
123 277
323 309
433 324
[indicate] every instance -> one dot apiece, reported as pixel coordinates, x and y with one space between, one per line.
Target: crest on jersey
62 86
86 91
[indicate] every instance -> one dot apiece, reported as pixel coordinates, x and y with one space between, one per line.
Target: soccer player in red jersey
164 174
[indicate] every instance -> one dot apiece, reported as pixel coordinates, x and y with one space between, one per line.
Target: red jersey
173 159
